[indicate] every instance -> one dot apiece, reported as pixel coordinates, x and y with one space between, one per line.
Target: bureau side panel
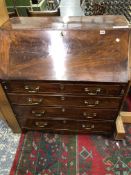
7 112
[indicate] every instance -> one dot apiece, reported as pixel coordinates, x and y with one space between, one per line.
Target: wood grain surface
65 55
3 12
7 112
92 50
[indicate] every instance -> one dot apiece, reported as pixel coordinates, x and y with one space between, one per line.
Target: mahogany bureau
67 75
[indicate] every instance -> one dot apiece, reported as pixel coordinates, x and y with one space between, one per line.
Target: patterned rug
52 154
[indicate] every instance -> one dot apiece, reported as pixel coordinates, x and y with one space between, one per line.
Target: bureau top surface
98 55
82 23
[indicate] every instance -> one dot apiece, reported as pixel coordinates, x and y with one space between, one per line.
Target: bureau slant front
65 77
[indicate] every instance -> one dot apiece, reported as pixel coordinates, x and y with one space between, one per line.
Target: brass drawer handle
88 127
41 124
32 89
91 105
98 90
88 116
34 101
38 114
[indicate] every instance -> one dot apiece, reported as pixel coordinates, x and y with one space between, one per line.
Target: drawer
64 113
65 87
64 125
65 100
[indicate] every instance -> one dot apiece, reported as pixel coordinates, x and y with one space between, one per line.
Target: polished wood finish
65 57
6 110
75 69
40 87
77 126
62 112
3 12
39 52
65 100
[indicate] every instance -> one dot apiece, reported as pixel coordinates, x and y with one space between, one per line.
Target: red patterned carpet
51 154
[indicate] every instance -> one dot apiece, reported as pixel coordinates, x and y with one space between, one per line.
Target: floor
8 140
8 145
71 8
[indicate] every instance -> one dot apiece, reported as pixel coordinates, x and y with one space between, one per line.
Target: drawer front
48 87
54 113
31 87
64 125
58 100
